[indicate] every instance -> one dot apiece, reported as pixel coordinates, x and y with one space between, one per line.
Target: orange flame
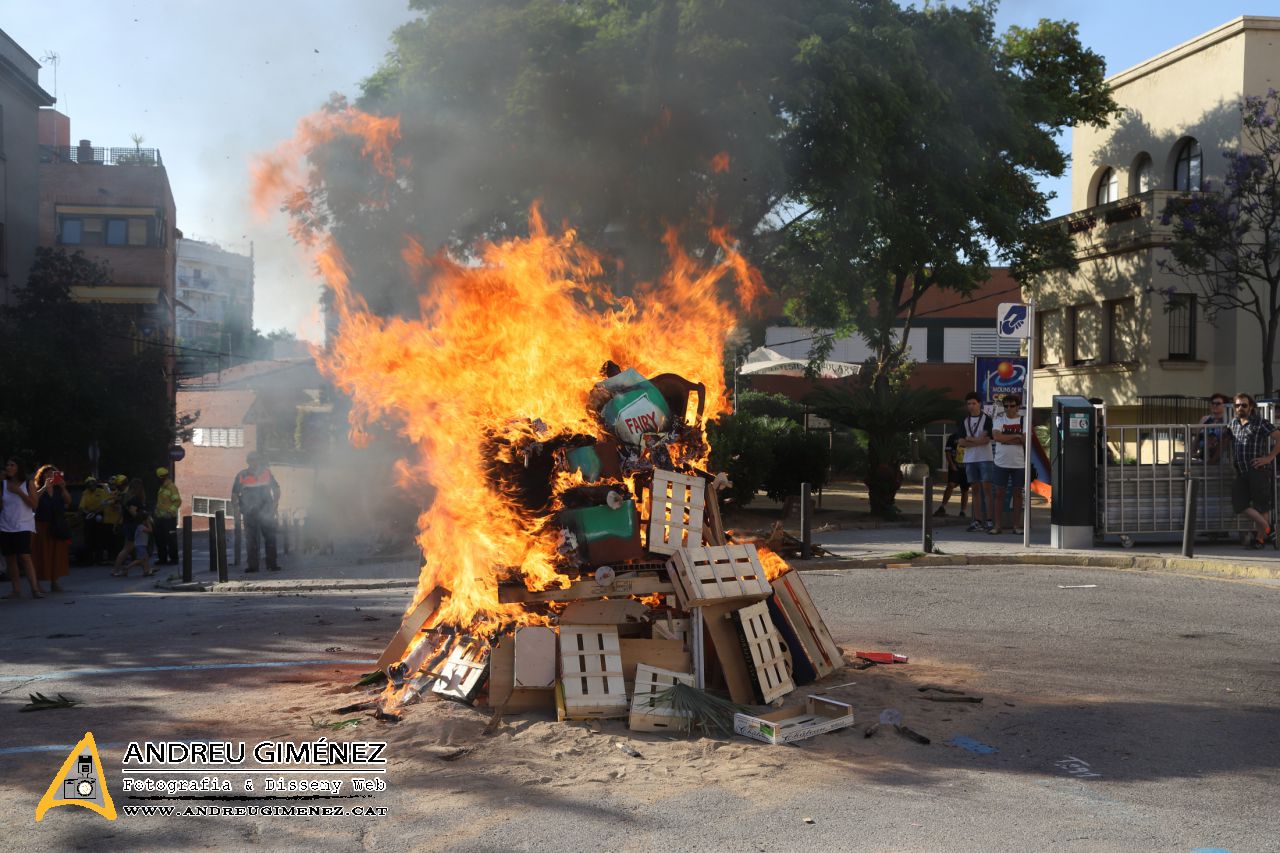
720 163
774 566
520 335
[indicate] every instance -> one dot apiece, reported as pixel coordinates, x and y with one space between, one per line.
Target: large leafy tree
75 374
1228 242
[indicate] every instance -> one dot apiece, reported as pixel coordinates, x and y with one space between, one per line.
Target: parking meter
1073 443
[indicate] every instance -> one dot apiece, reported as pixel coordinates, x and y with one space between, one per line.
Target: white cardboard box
819 715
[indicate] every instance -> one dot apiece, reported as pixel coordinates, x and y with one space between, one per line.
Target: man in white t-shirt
1010 459
975 438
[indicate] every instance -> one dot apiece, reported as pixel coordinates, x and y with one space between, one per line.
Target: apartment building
21 100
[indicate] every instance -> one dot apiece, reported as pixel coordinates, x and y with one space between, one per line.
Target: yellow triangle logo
80 782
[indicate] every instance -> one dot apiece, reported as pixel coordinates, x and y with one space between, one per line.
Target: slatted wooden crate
765 654
645 715
465 671
676 506
793 599
718 574
591 672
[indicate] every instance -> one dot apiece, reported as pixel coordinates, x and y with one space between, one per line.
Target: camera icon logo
79 782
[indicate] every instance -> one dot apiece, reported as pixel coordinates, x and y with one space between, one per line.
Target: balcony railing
1119 225
100 156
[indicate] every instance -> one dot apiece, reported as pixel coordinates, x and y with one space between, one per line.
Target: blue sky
214 83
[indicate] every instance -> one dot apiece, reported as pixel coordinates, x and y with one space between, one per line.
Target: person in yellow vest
165 519
257 495
113 515
92 500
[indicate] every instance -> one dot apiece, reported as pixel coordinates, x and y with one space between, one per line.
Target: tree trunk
883 476
1269 356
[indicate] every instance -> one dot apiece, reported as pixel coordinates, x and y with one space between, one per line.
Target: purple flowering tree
1228 241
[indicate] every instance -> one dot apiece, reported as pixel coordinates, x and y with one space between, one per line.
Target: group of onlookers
985 454
118 525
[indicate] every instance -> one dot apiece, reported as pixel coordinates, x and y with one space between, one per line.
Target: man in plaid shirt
1254 449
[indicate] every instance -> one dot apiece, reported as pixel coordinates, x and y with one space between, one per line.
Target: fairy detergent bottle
637 407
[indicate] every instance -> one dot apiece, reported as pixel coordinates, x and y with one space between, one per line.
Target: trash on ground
1078 586
882 657
41 702
972 745
787 725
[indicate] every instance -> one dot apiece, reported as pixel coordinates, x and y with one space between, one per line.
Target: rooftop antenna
52 58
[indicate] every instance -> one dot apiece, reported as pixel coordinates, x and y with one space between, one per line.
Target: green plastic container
637 407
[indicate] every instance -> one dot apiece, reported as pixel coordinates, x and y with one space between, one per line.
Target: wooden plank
677 503
503 696
663 654
588 589
794 602
728 652
464 673
765 653
612 611
535 658
412 623
668 628
713 529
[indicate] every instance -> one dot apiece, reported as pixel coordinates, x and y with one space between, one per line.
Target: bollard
235 535
213 546
284 534
806 523
926 521
186 549
220 542
1189 517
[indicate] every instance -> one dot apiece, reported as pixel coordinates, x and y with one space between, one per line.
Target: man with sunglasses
1254 442
1011 461
1210 441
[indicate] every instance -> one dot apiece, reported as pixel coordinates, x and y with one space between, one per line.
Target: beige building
1120 327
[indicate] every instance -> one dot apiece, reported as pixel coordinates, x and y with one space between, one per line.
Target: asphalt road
1139 714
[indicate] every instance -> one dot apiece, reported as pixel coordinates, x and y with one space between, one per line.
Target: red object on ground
882 657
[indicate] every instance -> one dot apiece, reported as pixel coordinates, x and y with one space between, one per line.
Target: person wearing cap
164 520
1011 461
256 495
92 501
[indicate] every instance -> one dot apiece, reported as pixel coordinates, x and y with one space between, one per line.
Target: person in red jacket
257 495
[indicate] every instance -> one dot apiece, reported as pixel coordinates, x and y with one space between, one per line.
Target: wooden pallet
464 673
648 717
591 677
620 587
797 607
676 506
718 574
764 652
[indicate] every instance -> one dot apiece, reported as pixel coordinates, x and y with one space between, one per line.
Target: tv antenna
52 58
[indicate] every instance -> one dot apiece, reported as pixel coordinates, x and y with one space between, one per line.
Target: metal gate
1144 472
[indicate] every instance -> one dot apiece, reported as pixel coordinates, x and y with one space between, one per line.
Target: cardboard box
787 725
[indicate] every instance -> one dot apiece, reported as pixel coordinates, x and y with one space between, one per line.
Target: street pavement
1127 711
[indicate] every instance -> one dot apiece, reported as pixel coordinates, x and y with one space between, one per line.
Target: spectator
1210 441
141 547
256 495
1011 461
979 467
17 523
955 475
92 502
52 539
165 519
112 515
133 505
1255 445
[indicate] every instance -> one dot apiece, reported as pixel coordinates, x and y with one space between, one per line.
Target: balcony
1120 226
93 155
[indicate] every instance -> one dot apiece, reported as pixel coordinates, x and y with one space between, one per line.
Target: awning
766 361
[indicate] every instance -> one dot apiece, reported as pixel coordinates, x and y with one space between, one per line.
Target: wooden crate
464 673
793 600
717 574
647 717
787 725
764 652
676 506
591 672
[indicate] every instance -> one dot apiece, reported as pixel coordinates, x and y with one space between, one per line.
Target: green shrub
769 406
759 452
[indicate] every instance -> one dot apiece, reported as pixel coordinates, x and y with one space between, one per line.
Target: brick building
20 101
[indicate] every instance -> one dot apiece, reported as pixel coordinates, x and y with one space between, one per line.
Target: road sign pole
1028 429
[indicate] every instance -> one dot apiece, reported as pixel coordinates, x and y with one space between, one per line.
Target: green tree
75 374
1227 242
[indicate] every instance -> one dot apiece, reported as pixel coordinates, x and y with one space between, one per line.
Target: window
117 232
1108 187
79 229
72 233
1086 334
1182 327
1186 170
209 506
218 436
1140 180
1122 331
1049 331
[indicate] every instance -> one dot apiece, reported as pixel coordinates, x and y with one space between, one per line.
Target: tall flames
502 349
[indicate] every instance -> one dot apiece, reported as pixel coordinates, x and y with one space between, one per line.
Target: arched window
1186 169
1108 187
1140 176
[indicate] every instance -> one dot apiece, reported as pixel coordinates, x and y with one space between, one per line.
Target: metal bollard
235 534
213 546
926 520
186 549
806 524
220 539
284 534
1192 493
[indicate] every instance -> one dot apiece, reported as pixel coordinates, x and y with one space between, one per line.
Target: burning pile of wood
656 592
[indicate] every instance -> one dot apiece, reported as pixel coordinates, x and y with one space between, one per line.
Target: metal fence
100 156
1144 473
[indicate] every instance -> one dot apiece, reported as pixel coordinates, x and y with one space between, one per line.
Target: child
141 541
